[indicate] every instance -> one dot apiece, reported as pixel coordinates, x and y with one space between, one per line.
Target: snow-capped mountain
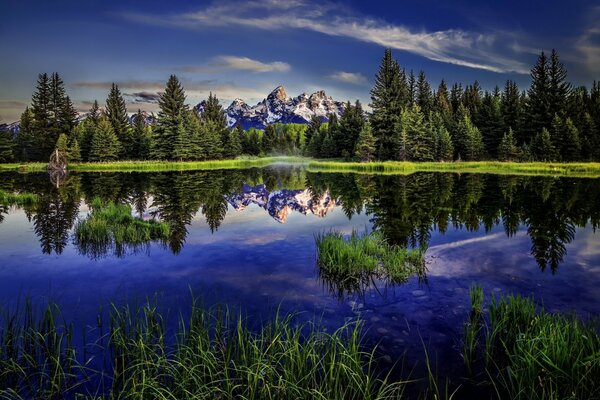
279 107
280 203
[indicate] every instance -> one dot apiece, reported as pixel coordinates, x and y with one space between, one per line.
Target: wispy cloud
217 64
588 43
453 46
143 97
349 77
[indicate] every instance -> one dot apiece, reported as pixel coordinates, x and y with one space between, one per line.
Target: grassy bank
578 170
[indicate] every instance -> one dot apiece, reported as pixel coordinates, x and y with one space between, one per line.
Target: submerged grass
531 354
17 199
214 356
349 264
112 225
579 170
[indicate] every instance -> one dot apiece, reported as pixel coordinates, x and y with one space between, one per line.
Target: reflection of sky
256 263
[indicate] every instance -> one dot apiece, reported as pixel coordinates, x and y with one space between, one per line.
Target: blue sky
246 48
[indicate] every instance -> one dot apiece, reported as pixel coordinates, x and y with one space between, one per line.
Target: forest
408 121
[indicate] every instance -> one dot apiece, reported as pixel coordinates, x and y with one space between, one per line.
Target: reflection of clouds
589 243
465 242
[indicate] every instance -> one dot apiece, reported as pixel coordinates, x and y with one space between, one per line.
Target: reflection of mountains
280 203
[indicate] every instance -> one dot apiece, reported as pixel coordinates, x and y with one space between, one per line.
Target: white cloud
453 46
248 64
349 77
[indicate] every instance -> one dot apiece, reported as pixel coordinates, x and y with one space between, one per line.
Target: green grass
531 354
112 225
157 166
17 199
579 170
215 355
24 167
350 264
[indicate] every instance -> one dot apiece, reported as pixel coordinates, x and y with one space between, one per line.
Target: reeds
349 264
579 170
112 225
214 355
17 199
533 354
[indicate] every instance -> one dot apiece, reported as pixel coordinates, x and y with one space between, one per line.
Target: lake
246 239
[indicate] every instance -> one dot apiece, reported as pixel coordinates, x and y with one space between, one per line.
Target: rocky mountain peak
279 94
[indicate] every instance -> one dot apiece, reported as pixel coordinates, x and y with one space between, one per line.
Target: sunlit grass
351 263
583 170
18 199
113 225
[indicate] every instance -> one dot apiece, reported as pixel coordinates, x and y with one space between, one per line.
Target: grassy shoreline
576 170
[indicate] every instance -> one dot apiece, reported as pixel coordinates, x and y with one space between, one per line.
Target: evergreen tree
538 102
351 124
571 150
312 141
268 140
182 149
424 96
472 99
94 113
590 142
172 108
213 111
456 96
26 147
558 136
253 142
412 89
542 148
105 144
116 112
335 140
559 89
137 135
365 146
74 152
510 107
41 110
386 102
441 102
445 147
233 147
490 122
468 141
507 149
328 149
6 146
62 144
210 137
420 142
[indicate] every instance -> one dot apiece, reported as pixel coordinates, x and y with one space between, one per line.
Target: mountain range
279 107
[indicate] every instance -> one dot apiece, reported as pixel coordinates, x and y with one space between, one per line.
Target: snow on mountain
279 107
280 203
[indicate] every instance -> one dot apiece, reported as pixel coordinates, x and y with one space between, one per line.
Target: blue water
259 260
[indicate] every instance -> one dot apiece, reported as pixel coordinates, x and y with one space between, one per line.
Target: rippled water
246 239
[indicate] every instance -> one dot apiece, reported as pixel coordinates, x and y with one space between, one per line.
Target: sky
244 49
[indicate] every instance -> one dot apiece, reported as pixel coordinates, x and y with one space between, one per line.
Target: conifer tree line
409 121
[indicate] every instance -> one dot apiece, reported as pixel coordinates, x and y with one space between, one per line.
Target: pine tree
590 142
472 100
386 102
510 107
441 102
420 142
538 102
445 147
365 146
268 140
182 150
105 144
6 146
571 150
456 96
558 135
94 113
468 141
137 135
507 149
424 96
490 122
328 149
351 124
233 147
26 147
335 135
211 139
116 112
214 112
542 148
62 144
41 109
312 139
172 108
559 89
74 152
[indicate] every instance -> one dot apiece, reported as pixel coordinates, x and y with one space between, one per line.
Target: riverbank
576 170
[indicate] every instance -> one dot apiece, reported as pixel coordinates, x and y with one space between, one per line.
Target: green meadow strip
157 166
577 170
24 167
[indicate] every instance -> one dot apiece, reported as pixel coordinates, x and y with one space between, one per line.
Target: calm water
246 239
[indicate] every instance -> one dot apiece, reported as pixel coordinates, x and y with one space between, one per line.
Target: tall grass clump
349 264
37 356
473 327
217 356
113 225
17 199
533 354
